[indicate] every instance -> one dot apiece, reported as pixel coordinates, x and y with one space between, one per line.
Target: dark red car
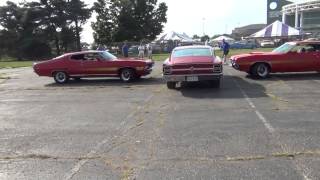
92 64
290 57
192 64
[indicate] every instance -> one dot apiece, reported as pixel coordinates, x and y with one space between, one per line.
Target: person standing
225 48
141 50
149 51
125 49
101 48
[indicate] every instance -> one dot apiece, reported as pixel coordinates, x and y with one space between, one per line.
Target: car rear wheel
171 85
61 77
127 75
261 70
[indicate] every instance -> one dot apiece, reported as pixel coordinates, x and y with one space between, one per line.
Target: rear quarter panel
46 68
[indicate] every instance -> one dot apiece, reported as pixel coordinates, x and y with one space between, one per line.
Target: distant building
274 10
246 31
304 16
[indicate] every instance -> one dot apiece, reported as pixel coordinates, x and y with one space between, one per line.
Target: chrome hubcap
262 70
61 77
126 75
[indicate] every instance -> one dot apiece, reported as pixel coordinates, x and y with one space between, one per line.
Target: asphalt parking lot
105 129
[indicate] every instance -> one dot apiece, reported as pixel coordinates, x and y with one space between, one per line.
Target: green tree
106 24
132 20
78 13
195 37
53 20
20 36
205 38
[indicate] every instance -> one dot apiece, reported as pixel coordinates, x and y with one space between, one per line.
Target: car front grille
217 68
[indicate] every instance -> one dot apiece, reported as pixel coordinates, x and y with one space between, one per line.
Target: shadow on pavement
228 89
107 82
297 76
290 76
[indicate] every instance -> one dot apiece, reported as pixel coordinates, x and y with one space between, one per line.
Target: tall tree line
41 29
131 20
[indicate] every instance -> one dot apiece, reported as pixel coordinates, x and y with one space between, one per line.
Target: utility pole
203 21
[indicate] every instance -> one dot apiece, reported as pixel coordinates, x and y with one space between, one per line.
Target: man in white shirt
149 51
141 49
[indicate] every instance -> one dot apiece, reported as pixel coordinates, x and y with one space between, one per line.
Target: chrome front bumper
234 64
198 77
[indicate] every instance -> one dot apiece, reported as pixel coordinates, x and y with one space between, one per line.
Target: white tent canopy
276 29
174 36
220 38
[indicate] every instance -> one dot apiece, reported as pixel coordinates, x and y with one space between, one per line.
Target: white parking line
300 169
78 166
260 116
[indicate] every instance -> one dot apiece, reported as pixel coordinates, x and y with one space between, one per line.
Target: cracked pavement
105 129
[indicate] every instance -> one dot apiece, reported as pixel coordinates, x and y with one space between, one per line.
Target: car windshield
284 48
107 56
192 52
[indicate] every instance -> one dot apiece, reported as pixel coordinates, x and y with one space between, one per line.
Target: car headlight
167 69
217 68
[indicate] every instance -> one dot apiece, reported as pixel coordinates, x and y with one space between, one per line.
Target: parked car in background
133 50
298 56
92 64
267 44
192 64
243 45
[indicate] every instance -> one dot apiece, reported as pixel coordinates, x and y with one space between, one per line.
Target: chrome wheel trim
61 77
126 75
262 70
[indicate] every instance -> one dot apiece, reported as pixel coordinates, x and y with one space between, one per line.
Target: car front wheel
261 70
127 75
61 77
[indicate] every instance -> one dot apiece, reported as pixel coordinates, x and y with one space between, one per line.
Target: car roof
82 52
307 42
192 47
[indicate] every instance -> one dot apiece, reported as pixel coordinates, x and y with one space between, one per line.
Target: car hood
252 54
135 60
195 60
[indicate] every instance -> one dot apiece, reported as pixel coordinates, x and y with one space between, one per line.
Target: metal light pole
203 21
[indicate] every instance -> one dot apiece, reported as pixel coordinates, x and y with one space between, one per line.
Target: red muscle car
92 64
290 57
190 64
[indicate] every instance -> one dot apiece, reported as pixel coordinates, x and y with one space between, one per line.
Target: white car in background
267 44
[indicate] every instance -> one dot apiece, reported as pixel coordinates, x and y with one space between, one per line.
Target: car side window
303 49
77 57
91 57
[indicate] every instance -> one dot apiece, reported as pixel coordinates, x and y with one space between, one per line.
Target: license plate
192 78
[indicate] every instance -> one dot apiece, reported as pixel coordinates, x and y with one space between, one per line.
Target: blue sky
211 16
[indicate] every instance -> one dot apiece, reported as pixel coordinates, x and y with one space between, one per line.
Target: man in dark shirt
225 47
125 50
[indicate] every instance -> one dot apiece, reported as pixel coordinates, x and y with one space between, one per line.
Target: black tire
261 70
61 77
171 85
127 75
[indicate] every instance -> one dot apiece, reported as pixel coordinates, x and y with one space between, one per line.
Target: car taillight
167 70
217 68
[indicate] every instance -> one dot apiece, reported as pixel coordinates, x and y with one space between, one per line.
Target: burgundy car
300 56
93 64
192 64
